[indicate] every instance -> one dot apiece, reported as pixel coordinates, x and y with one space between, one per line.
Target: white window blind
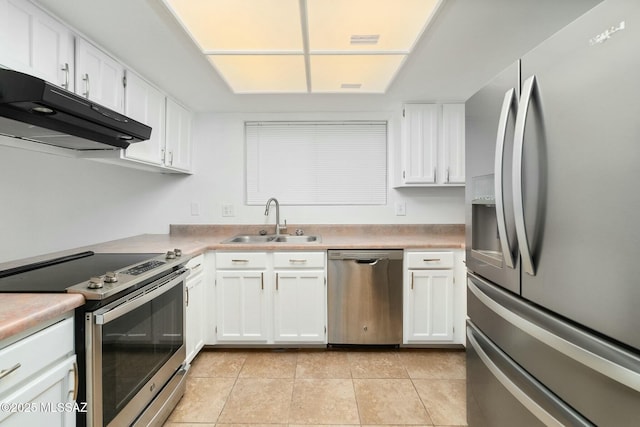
317 163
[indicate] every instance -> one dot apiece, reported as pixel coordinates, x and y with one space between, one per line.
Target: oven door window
136 345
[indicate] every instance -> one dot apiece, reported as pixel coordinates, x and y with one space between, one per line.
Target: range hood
35 110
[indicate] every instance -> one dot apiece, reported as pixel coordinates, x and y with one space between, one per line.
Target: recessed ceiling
305 46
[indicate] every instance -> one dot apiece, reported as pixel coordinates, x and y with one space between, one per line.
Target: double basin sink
272 238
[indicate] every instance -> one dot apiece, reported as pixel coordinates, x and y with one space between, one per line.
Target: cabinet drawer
298 259
196 264
422 260
241 260
35 352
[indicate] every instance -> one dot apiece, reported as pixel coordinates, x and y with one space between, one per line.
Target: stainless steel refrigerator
553 230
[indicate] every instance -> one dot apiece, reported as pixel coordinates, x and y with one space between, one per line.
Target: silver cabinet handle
297 261
186 303
171 158
66 76
276 281
412 280
6 372
262 281
518 196
435 175
163 155
431 260
508 104
239 261
76 381
87 85
447 181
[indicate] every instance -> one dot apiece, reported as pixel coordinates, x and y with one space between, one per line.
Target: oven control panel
119 281
143 268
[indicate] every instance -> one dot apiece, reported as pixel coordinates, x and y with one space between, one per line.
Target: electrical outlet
227 209
195 209
401 208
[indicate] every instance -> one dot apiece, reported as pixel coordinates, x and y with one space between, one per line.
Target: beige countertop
19 312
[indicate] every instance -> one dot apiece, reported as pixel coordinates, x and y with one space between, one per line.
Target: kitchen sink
272 238
249 238
296 239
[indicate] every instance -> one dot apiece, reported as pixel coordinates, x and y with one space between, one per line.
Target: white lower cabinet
429 314
269 298
299 299
242 306
39 388
432 306
241 297
195 308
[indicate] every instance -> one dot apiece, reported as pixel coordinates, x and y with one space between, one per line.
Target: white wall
50 203
220 153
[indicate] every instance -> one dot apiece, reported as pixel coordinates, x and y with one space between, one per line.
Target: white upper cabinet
452 137
432 145
34 43
177 153
146 104
98 76
420 143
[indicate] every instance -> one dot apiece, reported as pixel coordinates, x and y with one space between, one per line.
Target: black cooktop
58 274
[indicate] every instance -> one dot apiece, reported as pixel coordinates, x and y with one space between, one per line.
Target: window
317 163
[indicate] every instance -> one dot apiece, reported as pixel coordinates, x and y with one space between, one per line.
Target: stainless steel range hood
32 109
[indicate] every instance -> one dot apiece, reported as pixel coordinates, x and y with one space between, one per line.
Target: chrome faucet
266 212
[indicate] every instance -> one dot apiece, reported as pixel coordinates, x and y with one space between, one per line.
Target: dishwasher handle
368 261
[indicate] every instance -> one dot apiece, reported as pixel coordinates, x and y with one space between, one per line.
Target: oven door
136 344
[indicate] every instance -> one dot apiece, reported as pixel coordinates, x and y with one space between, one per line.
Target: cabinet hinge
403 113
404 174
124 79
216 329
325 330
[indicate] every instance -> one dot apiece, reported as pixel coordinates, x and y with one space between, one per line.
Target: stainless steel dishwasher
365 297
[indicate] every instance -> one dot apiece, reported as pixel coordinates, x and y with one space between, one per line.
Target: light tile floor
317 387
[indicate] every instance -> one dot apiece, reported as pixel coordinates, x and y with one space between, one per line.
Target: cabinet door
452 142
40 397
420 142
34 43
429 306
195 316
98 76
299 307
145 104
178 137
241 306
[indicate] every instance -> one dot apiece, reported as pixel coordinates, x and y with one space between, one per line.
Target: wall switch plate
195 209
227 209
401 208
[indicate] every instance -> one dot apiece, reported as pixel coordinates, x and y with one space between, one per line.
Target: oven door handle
109 314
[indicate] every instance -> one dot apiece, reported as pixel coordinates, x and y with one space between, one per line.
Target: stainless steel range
129 334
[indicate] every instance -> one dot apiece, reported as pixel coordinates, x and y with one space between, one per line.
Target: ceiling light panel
262 73
241 25
332 23
353 73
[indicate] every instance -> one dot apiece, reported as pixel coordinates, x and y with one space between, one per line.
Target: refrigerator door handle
508 104
518 196
598 356
538 411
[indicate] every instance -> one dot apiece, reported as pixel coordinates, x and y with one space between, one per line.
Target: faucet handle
283 228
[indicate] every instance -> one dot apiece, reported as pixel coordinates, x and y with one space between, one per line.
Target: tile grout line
235 381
